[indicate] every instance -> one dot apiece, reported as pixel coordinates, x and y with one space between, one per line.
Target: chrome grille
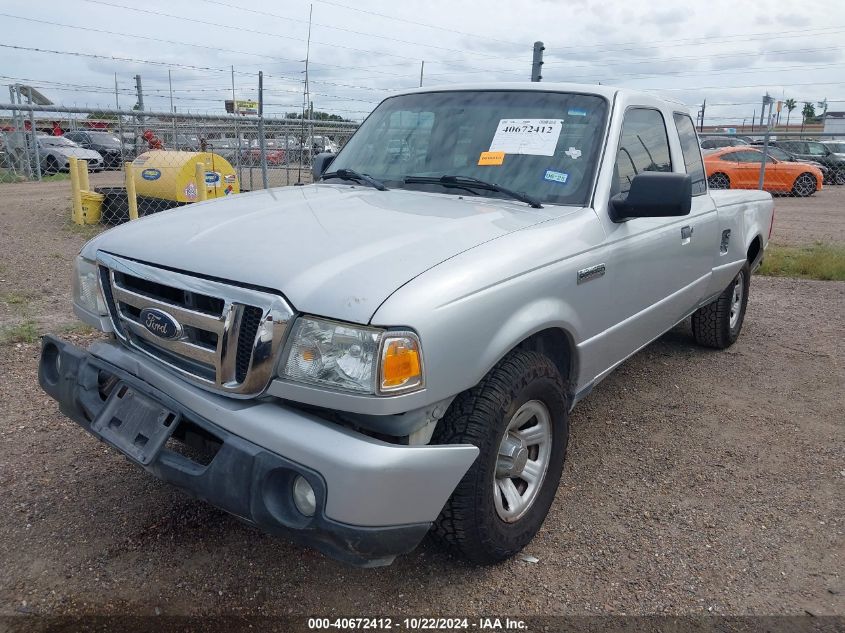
229 338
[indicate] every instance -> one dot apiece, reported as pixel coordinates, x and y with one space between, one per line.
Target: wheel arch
754 252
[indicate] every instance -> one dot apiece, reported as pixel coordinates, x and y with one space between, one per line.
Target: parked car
739 168
817 151
837 147
278 151
718 142
398 346
55 153
320 144
108 145
778 153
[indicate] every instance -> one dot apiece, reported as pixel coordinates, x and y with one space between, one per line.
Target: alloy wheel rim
523 460
736 300
805 186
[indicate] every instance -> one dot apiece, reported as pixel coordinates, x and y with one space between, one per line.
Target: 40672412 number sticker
527 136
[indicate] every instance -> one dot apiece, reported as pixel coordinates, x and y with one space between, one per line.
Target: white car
55 153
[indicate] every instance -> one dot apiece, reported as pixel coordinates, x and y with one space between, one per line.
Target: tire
719 323
51 165
839 177
477 522
719 181
805 185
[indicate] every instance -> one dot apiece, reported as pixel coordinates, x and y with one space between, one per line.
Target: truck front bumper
375 500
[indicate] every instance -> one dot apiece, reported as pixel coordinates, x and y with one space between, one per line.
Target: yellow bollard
75 192
84 183
202 188
129 171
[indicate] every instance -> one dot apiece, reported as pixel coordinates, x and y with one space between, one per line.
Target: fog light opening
51 362
303 496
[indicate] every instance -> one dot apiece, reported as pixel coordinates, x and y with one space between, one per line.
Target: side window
816 149
691 153
749 157
643 146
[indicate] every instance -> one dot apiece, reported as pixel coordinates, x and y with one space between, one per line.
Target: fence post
131 196
765 155
75 190
262 143
202 191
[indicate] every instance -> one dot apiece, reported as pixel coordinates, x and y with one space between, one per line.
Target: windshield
56 141
545 144
104 138
837 148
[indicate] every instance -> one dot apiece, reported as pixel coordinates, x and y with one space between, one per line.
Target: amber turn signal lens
401 363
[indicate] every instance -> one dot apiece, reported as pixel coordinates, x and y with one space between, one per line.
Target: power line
240 28
429 26
344 30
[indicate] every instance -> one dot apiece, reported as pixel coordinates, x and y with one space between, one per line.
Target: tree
809 112
790 104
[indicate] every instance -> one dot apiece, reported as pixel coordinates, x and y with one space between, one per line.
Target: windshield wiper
351 174
468 182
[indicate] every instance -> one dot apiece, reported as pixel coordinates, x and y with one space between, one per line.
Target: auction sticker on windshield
527 136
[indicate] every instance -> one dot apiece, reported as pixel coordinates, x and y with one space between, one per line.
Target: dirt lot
697 482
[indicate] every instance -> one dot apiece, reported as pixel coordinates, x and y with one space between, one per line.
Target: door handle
686 234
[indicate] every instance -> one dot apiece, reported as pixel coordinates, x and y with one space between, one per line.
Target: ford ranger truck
395 349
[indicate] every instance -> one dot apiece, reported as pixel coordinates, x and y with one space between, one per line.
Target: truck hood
332 250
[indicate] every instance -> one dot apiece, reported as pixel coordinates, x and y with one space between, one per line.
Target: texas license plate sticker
527 136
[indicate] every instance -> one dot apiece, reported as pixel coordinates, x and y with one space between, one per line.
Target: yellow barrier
130 191
199 174
84 183
76 192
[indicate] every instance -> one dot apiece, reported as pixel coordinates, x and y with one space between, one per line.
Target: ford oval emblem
160 323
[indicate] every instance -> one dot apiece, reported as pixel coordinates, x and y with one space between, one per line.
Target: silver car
55 153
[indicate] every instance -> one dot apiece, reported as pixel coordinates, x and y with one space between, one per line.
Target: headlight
86 287
361 359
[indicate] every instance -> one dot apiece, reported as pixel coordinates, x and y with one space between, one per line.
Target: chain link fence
238 153
782 163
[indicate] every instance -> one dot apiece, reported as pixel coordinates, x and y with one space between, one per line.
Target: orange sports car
739 168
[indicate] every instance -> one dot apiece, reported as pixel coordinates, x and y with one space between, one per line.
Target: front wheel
805 185
719 323
839 177
517 416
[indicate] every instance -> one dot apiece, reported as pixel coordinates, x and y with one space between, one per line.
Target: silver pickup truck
395 349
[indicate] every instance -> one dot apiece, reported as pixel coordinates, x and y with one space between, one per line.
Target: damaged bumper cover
374 500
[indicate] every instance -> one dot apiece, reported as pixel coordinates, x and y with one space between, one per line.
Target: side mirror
653 195
321 164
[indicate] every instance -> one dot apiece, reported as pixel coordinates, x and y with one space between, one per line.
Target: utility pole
140 91
238 133
703 107
422 68
537 62
119 122
172 110
261 140
306 97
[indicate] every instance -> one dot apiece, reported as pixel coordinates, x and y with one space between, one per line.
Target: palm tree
790 104
809 112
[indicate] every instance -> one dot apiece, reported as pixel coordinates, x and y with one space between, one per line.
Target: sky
730 53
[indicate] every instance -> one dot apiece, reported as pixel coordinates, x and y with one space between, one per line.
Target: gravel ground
819 218
697 482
